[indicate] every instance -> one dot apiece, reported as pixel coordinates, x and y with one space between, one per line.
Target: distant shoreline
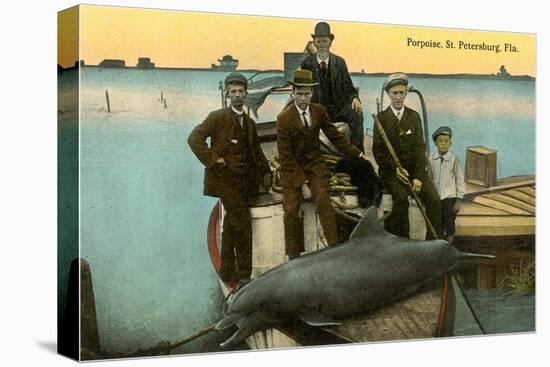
356 74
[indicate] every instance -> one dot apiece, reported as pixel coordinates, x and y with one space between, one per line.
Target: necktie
399 115
240 119
323 69
305 120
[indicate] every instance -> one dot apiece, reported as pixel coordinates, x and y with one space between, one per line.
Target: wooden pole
398 164
107 98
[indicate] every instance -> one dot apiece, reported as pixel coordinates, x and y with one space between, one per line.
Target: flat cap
236 78
396 79
443 130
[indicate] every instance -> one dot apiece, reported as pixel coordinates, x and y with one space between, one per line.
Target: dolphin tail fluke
254 322
228 321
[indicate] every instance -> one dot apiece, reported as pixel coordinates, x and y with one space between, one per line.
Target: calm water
143 214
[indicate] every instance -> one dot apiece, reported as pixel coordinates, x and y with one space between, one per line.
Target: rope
164 347
338 183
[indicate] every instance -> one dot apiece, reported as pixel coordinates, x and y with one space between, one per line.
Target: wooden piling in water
107 98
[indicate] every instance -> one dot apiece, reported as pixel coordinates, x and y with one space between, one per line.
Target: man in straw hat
235 165
303 173
334 89
404 130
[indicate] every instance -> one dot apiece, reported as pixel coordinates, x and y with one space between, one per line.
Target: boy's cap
443 130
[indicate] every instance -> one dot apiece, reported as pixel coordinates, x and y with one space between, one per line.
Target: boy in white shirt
448 178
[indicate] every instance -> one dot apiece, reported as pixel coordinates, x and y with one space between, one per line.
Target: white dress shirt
448 176
308 115
319 61
398 113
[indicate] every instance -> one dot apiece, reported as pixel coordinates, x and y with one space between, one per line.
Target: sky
196 40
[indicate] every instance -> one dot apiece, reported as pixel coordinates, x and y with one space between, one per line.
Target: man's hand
356 105
457 206
416 185
306 191
402 175
268 179
221 162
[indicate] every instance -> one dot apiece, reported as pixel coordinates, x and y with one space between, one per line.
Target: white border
28 185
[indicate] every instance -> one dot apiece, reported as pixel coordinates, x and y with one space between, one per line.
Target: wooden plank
412 318
491 203
529 190
485 276
495 226
473 191
516 194
511 201
471 208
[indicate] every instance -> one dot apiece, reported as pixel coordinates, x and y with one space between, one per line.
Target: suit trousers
397 221
448 215
236 250
357 131
292 199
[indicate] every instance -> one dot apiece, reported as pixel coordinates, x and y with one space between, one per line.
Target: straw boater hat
303 78
396 79
322 29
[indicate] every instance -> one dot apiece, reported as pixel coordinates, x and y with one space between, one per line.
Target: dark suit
300 156
234 184
336 94
406 138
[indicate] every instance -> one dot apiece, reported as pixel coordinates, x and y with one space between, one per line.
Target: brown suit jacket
226 140
300 149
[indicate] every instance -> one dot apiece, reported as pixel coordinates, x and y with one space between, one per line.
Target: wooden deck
506 209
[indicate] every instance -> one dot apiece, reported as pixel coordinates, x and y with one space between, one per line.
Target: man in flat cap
303 172
334 89
235 166
404 130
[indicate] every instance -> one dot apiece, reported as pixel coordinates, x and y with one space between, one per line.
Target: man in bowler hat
334 88
303 173
235 165
404 130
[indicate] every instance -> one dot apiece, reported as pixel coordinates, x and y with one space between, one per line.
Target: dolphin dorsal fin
369 225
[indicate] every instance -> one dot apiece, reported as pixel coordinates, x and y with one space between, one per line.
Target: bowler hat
396 79
236 78
322 29
443 130
303 78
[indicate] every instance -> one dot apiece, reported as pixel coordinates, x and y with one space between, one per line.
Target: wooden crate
481 166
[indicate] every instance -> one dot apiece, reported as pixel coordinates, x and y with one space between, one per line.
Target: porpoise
373 268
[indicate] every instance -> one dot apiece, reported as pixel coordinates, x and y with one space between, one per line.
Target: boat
428 313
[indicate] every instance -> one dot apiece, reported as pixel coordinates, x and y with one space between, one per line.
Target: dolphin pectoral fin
369 225
313 318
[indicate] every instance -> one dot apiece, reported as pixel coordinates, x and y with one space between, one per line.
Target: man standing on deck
235 166
334 89
404 130
303 173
